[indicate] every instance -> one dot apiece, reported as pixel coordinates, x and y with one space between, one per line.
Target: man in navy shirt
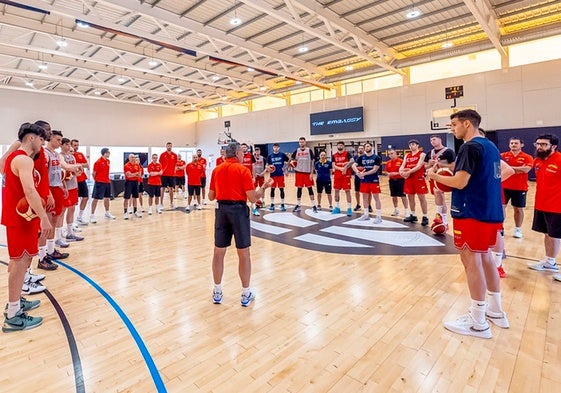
366 168
324 168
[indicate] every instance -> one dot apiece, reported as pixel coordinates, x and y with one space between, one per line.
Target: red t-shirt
180 172
194 174
132 168
202 162
247 161
393 166
230 181
81 159
154 180
220 160
341 159
548 180
168 161
518 181
411 161
101 170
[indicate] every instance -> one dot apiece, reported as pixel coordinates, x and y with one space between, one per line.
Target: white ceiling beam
487 19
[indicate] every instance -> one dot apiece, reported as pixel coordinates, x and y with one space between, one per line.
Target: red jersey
518 181
248 161
168 161
548 179
194 174
341 159
101 170
231 180
12 192
393 166
411 161
178 171
220 160
154 180
81 159
41 165
132 168
203 163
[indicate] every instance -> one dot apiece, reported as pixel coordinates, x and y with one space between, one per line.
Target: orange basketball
25 211
438 227
292 163
440 186
360 168
271 168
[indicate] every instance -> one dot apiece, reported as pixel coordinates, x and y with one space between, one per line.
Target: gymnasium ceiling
194 54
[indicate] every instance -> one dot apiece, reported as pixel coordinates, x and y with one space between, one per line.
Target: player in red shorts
194 172
202 162
478 215
444 157
276 166
342 172
304 171
24 224
413 170
71 185
168 159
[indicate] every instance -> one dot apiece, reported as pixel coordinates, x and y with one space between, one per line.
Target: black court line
76 361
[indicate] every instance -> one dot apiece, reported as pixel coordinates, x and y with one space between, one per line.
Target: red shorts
476 235
23 239
415 186
72 198
278 181
303 180
259 181
369 188
58 196
341 182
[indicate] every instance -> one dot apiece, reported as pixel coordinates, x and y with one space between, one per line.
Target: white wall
525 96
95 122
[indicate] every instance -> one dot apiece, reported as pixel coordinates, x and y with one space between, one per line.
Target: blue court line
134 333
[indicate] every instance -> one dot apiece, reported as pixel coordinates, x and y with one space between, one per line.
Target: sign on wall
337 122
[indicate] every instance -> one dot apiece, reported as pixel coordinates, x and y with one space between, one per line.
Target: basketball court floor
341 306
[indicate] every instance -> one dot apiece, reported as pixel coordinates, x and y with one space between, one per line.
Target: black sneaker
411 218
357 208
46 264
56 254
315 209
425 221
369 209
296 208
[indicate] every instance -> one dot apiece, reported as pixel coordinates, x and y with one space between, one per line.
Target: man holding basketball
444 157
304 171
413 170
478 215
342 172
20 188
277 162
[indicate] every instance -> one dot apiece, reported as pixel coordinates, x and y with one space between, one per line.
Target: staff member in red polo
231 184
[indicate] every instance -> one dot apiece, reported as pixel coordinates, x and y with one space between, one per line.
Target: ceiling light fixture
153 63
82 24
303 49
263 88
349 68
249 69
224 98
97 92
447 44
178 90
29 83
121 79
150 100
62 42
43 66
413 12
215 77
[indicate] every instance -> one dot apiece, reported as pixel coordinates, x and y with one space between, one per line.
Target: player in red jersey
71 185
516 186
342 173
547 207
83 191
154 184
102 185
180 176
413 170
445 158
203 162
304 173
222 157
168 159
396 183
194 172
24 224
133 171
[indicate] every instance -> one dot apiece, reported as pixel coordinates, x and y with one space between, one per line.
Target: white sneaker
93 220
188 209
557 277
76 228
61 243
160 209
199 207
81 221
498 318
204 202
467 326
29 288
109 216
138 214
377 220
517 233
31 277
395 213
125 216
149 211
171 207
544 266
364 218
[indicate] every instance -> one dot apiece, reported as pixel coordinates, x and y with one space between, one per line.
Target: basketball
66 175
360 168
259 204
271 168
438 227
25 211
292 163
440 186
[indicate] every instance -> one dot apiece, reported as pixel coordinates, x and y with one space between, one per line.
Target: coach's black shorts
168 181
517 197
546 222
203 182
83 191
232 220
131 189
101 190
154 191
396 187
194 190
180 181
323 185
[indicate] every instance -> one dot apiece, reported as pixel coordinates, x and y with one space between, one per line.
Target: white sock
246 291
498 258
439 209
337 204
378 213
477 310
42 252
407 212
413 213
69 229
13 308
495 302
444 218
50 246
58 233
218 288
349 206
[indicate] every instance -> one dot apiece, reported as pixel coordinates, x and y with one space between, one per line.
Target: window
535 51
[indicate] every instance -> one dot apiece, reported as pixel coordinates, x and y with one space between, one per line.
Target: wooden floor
135 315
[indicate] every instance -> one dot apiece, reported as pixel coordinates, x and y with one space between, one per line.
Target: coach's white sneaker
497 318
109 216
467 326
